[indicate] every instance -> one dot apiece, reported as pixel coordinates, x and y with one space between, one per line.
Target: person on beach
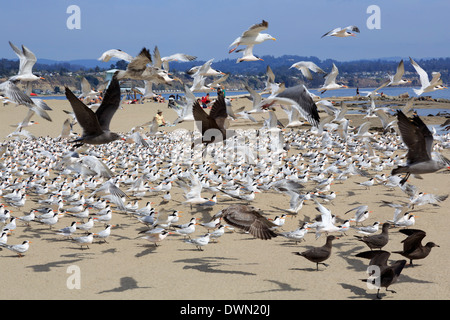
205 101
160 118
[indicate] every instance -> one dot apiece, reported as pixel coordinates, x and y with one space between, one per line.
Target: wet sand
238 266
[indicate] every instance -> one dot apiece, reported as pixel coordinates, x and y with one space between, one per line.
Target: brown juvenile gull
419 140
387 275
319 254
377 241
96 124
248 218
212 125
412 245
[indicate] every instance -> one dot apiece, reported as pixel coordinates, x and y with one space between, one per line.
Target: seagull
361 213
248 54
26 122
293 116
86 91
200 241
330 81
377 241
367 230
319 254
18 248
10 90
136 66
342 32
426 84
394 80
84 240
68 231
115 53
419 140
27 60
212 125
326 223
412 245
306 67
157 237
198 84
105 233
297 97
252 36
205 70
387 275
297 234
249 219
176 57
96 125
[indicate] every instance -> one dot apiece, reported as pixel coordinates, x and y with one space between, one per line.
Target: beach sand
238 266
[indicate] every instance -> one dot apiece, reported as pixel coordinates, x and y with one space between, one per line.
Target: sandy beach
237 266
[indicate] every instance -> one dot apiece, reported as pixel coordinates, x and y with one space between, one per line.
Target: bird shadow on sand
310 269
125 284
148 249
281 287
211 265
357 292
46 267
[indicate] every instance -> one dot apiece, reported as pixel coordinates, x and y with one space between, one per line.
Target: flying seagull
212 125
298 97
249 219
426 84
96 124
419 140
396 79
342 32
306 67
252 36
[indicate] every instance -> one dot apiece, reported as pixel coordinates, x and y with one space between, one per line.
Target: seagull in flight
342 32
426 84
419 140
306 67
330 81
396 79
252 36
96 124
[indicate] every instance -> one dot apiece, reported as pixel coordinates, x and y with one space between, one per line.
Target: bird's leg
402 182
378 294
392 291
232 49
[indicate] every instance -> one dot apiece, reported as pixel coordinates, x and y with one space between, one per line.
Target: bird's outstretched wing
109 105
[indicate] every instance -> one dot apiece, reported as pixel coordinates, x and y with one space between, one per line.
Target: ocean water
345 92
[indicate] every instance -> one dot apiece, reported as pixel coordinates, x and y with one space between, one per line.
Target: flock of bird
85 180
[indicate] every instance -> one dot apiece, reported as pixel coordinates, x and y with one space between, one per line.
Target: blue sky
206 28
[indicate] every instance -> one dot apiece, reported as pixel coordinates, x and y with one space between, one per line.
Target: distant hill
362 73
81 63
